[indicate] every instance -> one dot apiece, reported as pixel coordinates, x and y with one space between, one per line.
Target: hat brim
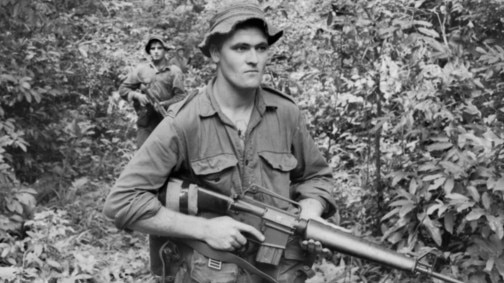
165 46
228 25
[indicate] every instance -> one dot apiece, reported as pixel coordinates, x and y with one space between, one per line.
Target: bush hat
160 40
225 21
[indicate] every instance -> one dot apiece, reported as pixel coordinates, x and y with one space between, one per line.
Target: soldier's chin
250 85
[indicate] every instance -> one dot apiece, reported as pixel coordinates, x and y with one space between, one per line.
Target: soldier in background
152 80
180 59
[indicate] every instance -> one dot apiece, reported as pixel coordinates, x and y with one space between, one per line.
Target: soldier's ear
214 53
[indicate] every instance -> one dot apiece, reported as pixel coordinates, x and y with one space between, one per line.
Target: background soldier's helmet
158 38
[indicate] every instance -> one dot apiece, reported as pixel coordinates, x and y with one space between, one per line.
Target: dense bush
404 97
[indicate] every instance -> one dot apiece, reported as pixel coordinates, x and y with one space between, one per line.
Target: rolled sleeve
178 81
312 178
130 84
134 195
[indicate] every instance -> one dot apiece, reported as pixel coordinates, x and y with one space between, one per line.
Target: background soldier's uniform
165 82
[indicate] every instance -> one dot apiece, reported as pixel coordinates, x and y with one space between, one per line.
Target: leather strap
207 251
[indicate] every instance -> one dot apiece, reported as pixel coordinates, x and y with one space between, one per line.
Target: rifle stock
278 225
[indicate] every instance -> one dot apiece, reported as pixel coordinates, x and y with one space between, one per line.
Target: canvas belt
224 256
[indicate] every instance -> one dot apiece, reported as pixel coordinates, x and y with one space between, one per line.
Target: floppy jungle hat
160 40
226 20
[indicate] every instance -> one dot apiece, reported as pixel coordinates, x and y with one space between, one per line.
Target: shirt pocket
216 171
275 170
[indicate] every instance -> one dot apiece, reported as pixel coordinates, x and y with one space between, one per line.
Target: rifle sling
207 251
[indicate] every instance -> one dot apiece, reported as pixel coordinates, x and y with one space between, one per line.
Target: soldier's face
242 58
157 52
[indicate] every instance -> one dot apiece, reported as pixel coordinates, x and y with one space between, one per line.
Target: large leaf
495 224
429 32
475 214
448 185
439 146
486 200
436 184
433 228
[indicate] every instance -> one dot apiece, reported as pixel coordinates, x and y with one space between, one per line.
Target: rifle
277 225
154 101
160 107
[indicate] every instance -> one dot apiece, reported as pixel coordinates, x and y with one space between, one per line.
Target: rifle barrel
349 244
437 275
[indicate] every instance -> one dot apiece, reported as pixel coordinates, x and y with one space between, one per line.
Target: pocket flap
214 164
281 161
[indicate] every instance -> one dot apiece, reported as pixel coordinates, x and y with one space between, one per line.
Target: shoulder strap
279 93
207 251
175 108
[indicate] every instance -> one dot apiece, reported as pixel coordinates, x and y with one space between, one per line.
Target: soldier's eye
262 48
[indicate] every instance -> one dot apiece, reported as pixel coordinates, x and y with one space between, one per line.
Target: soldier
234 133
165 83
180 59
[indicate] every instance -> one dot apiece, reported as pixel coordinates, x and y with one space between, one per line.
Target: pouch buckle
214 264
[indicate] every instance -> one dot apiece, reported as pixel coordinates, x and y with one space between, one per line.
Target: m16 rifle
154 101
154 91
277 225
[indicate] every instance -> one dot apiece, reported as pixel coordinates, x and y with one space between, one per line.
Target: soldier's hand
141 98
313 246
225 233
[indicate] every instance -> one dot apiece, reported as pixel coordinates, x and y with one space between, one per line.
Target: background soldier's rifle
156 104
277 225
153 97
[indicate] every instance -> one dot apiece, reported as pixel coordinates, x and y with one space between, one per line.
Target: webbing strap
192 199
172 197
207 251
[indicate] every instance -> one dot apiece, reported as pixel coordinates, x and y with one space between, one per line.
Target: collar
163 65
210 107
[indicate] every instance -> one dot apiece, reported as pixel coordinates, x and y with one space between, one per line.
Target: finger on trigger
250 229
235 244
240 239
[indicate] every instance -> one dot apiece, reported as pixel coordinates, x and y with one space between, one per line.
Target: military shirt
198 142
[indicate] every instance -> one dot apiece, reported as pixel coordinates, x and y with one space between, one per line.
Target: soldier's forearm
172 224
176 98
311 208
127 92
